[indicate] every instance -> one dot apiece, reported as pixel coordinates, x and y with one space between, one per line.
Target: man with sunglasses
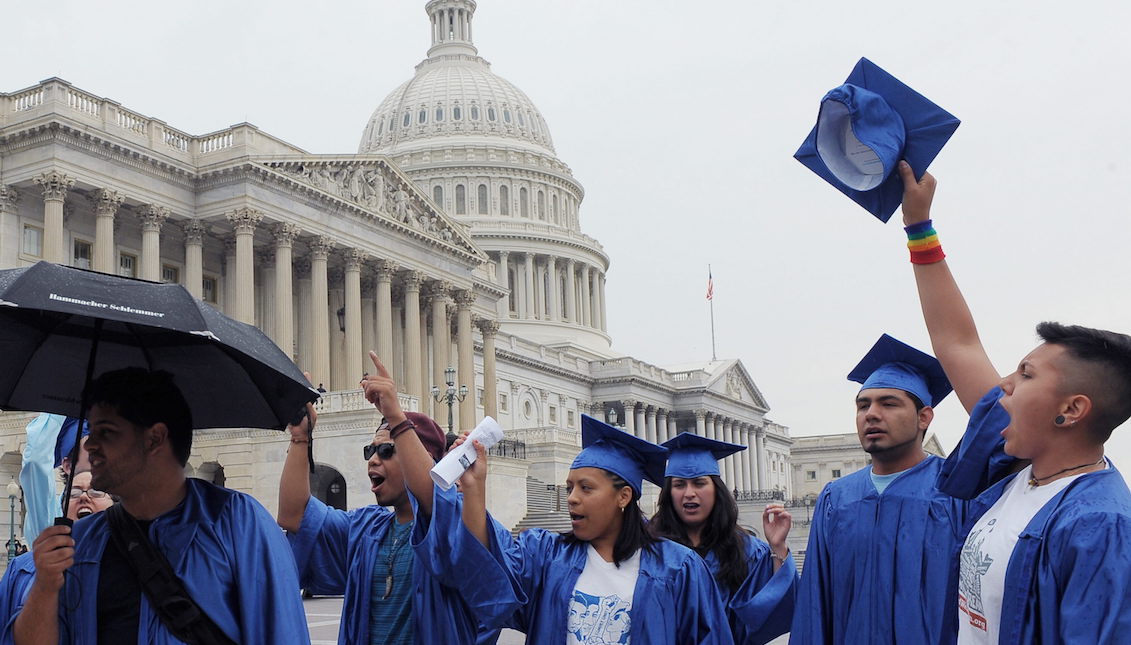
365 553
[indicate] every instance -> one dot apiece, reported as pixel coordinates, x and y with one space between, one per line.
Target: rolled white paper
455 463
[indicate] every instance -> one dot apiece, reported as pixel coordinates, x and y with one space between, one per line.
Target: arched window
554 207
380 126
541 205
439 114
438 195
521 121
475 113
481 198
392 123
490 113
457 114
422 116
407 119
523 203
461 200
504 200
507 116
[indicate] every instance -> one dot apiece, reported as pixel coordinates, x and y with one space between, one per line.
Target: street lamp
450 396
13 493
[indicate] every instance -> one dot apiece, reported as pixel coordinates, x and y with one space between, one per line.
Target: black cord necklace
397 544
1037 481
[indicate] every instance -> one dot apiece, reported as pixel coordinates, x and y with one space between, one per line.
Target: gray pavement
322 616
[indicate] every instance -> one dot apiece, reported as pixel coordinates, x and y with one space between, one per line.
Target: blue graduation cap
864 128
631 458
695 456
895 364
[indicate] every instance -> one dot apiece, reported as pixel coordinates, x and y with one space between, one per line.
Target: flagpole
710 279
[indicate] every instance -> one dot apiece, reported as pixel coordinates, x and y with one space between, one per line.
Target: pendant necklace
397 544
1037 481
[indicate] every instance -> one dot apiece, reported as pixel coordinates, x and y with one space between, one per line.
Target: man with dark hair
223 546
878 543
1047 557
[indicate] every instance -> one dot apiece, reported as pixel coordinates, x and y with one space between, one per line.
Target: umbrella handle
64 521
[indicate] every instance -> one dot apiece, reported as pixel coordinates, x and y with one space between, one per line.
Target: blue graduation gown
875 562
228 551
15 585
761 608
675 601
336 551
1069 577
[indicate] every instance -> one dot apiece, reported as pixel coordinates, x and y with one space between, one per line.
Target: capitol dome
454 95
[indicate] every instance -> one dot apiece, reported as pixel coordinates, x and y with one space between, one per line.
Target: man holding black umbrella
228 573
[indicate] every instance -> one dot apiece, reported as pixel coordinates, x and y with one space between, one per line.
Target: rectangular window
553 414
479 396
569 418
502 403
836 473
33 240
127 265
170 274
811 475
208 289
83 251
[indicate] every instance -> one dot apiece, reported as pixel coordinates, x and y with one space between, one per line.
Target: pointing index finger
381 371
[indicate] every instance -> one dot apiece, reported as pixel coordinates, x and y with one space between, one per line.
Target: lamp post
450 396
13 493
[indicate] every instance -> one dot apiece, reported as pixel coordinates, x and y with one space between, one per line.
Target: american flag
710 285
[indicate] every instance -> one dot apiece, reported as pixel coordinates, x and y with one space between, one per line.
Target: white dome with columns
482 151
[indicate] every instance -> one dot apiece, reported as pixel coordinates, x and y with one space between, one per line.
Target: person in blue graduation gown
366 554
758 581
663 593
881 538
1067 578
223 545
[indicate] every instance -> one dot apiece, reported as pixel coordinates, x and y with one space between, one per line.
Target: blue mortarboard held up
896 365
631 458
864 128
695 456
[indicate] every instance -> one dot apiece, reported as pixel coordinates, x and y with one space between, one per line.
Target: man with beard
222 545
881 540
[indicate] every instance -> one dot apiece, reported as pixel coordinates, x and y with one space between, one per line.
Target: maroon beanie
430 434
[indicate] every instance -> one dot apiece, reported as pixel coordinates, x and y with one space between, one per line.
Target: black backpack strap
166 592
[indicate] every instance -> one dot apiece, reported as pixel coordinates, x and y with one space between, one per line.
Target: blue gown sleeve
812 621
14 587
1085 591
269 601
762 606
702 618
456 559
320 548
980 460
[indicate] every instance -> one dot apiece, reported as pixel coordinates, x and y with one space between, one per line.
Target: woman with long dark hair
757 580
606 581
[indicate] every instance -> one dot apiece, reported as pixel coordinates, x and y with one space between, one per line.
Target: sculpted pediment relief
736 384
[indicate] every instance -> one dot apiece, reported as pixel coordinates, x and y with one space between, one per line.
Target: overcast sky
680 120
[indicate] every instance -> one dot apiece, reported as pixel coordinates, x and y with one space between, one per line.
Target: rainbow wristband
923 243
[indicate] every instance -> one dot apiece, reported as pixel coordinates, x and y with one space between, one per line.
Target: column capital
464 298
412 280
9 198
760 432
384 270
439 289
55 184
353 259
284 234
700 414
152 216
629 404
320 247
244 219
570 263
487 326
106 201
194 231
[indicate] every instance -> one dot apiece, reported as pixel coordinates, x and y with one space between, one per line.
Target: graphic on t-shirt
597 620
974 565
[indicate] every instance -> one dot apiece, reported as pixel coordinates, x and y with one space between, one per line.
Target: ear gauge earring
1059 420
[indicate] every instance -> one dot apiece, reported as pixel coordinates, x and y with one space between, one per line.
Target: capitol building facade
451 239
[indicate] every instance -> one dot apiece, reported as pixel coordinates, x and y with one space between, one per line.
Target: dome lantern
451 27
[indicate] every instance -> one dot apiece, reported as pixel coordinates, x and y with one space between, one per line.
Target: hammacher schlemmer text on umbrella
103 305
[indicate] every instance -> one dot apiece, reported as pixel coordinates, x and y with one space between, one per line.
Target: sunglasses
94 494
382 450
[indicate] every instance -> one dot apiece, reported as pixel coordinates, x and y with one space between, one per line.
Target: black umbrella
59 326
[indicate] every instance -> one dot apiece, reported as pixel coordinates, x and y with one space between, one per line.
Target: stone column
571 296
489 328
662 426
244 220
414 382
11 237
320 248
529 307
385 271
586 303
673 425
701 422
194 256
106 203
595 297
629 416
229 274
152 217
369 323
650 424
712 431
55 186
303 320
265 294
441 333
728 470
604 313
501 276
284 234
355 359
641 429
744 438
761 457
552 270
465 370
